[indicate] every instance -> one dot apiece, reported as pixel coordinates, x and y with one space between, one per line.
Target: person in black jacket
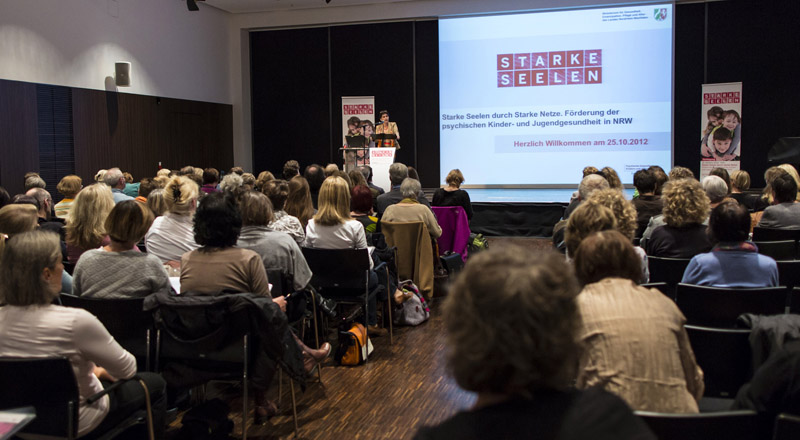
453 195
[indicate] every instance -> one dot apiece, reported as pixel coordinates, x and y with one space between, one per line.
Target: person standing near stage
387 128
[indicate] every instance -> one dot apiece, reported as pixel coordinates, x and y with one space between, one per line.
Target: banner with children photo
358 113
721 127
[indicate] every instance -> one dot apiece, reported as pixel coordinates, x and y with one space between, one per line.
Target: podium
386 141
380 160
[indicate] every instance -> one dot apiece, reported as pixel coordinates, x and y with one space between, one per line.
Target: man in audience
397 173
44 205
315 175
146 186
366 171
648 203
116 181
784 212
734 261
661 177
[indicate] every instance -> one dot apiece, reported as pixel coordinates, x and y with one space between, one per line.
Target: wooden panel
18 140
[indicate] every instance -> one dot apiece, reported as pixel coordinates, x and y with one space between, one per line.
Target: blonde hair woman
171 234
85 229
789 168
453 195
686 208
333 228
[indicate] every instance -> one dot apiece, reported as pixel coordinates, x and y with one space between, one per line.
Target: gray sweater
128 274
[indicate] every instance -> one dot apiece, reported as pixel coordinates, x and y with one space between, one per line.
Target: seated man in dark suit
397 173
784 212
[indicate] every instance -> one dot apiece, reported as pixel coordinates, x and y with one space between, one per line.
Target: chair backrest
47 384
720 306
787 427
775 234
728 425
124 319
414 253
281 282
667 270
778 250
789 273
725 357
664 288
455 229
338 269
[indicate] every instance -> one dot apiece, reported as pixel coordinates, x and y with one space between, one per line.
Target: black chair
281 282
49 385
225 351
728 425
720 306
774 234
789 273
667 270
130 326
725 357
787 427
666 289
342 274
778 250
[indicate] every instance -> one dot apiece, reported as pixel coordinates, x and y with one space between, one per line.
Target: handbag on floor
354 346
414 311
452 263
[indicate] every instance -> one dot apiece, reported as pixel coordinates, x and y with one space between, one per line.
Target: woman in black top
453 195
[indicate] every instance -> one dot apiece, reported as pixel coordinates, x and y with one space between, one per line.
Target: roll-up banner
721 127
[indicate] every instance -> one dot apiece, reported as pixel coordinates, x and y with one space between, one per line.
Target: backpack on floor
354 346
414 311
476 243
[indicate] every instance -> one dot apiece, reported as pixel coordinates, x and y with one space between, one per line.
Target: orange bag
354 346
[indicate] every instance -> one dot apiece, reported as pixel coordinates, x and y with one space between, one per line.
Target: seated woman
453 195
278 192
171 234
31 326
686 208
86 219
511 324
361 208
333 228
117 270
410 210
218 267
277 249
299 203
734 261
635 343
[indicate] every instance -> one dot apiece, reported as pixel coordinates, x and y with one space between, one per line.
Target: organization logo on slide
555 68
358 109
660 14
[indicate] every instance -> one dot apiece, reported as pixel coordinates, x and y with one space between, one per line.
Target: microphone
379 123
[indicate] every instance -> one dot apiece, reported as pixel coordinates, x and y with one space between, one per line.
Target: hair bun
176 193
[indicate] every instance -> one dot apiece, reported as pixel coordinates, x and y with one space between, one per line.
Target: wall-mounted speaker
122 73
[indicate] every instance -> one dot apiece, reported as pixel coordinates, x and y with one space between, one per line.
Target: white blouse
171 236
347 235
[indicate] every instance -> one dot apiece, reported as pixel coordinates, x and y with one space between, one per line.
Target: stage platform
518 212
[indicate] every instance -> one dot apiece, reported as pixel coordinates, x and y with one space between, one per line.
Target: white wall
174 53
331 14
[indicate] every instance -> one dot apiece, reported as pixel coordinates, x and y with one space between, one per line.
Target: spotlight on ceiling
192 5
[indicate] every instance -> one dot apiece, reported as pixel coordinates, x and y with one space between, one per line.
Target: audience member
248 182
789 168
146 186
278 192
164 172
171 234
34 181
410 210
648 204
157 202
277 250
586 220
361 208
210 180
99 175
588 185
612 178
740 181
679 172
661 177
716 189
116 181
85 222
722 173
45 202
366 171
314 176
119 269
734 261
290 169
333 228
69 186
635 345
236 170
131 189
784 212
32 326
299 202
412 173
398 172
357 178
512 323
680 232
232 184
453 195
5 198
263 178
